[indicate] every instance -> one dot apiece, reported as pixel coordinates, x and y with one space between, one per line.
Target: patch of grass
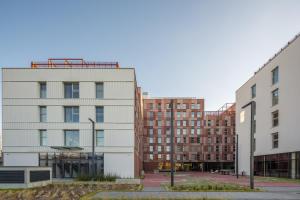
276 179
210 187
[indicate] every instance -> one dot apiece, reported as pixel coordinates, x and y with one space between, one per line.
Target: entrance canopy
66 148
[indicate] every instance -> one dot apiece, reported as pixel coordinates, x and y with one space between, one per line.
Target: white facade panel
21 159
121 164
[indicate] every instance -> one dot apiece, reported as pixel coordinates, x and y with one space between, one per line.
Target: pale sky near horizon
179 48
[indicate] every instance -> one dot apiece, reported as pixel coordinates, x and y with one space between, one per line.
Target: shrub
99 177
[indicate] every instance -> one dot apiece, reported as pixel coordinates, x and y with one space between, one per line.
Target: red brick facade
202 140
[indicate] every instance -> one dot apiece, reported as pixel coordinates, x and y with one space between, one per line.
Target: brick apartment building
202 140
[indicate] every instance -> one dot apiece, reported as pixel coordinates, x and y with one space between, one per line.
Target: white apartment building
46 111
275 88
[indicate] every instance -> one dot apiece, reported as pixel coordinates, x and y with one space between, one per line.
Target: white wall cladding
288 62
21 103
121 164
21 159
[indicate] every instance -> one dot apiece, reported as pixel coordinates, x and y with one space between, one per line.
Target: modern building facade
46 112
275 90
202 140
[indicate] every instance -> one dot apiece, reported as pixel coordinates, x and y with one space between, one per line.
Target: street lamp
172 143
237 155
93 148
252 104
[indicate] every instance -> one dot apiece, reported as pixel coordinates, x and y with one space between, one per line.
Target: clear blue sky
179 48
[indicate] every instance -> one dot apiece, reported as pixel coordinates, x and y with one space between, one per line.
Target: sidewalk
190 195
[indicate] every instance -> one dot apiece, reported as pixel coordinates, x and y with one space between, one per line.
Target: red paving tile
154 180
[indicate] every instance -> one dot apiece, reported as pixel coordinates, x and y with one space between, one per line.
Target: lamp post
251 104
237 156
93 147
172 143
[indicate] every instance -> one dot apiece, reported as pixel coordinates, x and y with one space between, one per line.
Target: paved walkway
190 195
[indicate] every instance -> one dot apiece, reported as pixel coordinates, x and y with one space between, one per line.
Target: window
159 148
275 75
209 140
253 91
159 123
168 140
192 131
99 114
208 156
43 138
178 140
275 97
178 115
99 91
150 106
159 140
151 148
184 131
159 132
72 138
178 131
275 140
168 131
159 156
198 123
178 123
198 114
168 148
192 123
198 140
192 140
43 90
71 114
43 114
168 157
209 122
71 90
100 137
275 118
151 140
184 123
198 131
151 156
150 131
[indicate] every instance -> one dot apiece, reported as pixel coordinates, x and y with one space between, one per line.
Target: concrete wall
288 62
21 111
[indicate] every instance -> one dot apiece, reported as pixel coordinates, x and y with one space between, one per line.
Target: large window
275 97
275 140
72 138
43 138
275 75
43 90
100 138
71 90
275 118
253 91
99 114
43 114
71 113
99 91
